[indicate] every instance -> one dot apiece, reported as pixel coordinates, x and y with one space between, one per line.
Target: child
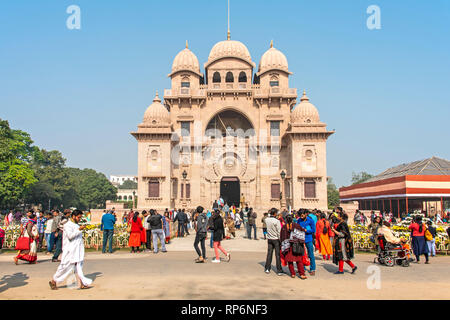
263 220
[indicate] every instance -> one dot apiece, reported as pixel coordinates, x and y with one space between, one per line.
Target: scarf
290 234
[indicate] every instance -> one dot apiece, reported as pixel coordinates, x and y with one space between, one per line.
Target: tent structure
421 185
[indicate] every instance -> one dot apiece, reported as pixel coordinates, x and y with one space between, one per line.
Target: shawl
297 234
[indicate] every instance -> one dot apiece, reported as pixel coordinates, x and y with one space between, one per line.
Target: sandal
16 261
53 285
303 277
82 287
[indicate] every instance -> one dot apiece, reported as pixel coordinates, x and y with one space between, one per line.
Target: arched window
185 82
120 198
274 82
242 77
229 77
216 77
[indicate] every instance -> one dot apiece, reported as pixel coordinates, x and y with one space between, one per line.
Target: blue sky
385 92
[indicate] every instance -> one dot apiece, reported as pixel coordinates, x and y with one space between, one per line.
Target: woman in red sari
31 232
291 236
134 242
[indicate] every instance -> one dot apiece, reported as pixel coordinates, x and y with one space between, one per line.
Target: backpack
210 224
428 235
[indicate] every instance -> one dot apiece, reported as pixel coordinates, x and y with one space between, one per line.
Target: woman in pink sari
31 232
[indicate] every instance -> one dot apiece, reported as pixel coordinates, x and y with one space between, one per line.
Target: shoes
312 273
256 239
354 269
54 260
52 285
267 271
427 262
165 251
292 276
155 252
280 274
339 272
228 257
215 260
303 277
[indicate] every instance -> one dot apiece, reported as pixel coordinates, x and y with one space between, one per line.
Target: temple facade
234 133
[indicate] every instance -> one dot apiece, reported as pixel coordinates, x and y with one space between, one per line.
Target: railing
258 91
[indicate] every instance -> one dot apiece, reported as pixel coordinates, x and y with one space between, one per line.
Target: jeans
310 248
249 231
50 241
211 241
41 239
271 246
180 229
58 242
148 245
432 247
200 238
107 239
158 233
185 226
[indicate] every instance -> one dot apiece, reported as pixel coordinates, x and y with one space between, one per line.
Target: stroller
391 254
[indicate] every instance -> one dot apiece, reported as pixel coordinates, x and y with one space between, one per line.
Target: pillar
442 206
398 207
407 211
390 205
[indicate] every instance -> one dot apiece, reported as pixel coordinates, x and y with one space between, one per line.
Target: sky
384 91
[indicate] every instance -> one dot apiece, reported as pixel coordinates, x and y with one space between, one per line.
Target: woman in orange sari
323 237
134 242
31 232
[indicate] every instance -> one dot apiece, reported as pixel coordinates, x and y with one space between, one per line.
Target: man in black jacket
156 224
182 219
201 228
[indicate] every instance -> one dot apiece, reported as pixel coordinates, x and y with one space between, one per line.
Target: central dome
229 49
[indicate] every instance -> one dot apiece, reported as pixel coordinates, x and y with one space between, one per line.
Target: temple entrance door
230 190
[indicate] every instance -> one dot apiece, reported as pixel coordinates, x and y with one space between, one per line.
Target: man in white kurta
73 253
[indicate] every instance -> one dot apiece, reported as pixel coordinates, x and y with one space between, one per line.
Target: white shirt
73 245
48 226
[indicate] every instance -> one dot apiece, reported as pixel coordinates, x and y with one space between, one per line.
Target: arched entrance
230 190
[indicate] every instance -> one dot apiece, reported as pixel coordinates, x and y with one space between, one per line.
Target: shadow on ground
13 281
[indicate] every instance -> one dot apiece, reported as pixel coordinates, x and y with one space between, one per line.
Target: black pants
271 246
58 242
180 229
186 228
200 238
41 239
148 244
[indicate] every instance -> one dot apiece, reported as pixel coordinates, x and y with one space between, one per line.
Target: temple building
231 132
417 186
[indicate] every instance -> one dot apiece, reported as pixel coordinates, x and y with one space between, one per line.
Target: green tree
16 173
128 184
333 194
360 177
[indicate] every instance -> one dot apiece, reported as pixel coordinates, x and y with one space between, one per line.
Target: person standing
107 226
166 226
292 237
30 231
418 239
308 224
148 231
264 226
273 226
431 243
200 237
252 224
226 209
231 227
49 238
237 220
135 228
57 229
156 224
41 220
219 233
72 259
343 244
181 218
323 239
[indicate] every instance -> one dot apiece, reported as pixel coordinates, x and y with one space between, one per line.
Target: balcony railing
258 91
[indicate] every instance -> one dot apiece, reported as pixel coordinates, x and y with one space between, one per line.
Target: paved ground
173 275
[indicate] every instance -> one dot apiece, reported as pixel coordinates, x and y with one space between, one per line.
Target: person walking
135 228
273 226
200 236
166 226
418 239
323 237
308 224
181 218
292 237
431 243
41 220
156 225
30 232
219 233
58 229
72 259
252 224
343 244
107 226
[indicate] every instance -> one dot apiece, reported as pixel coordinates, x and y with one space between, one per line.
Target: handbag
306 261
428 235
298 249
23 243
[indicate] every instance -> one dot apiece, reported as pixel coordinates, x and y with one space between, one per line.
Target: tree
16 174
333 194
128 184
361 177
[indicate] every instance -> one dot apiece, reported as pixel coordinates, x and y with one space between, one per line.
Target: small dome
186 60
305 112
273 59
229 48
156 113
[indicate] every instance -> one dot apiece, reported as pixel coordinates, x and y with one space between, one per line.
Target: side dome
273 59
305 112
229 49
156 114
186 60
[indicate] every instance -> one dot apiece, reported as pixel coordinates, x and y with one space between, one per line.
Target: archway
230 122
230 190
